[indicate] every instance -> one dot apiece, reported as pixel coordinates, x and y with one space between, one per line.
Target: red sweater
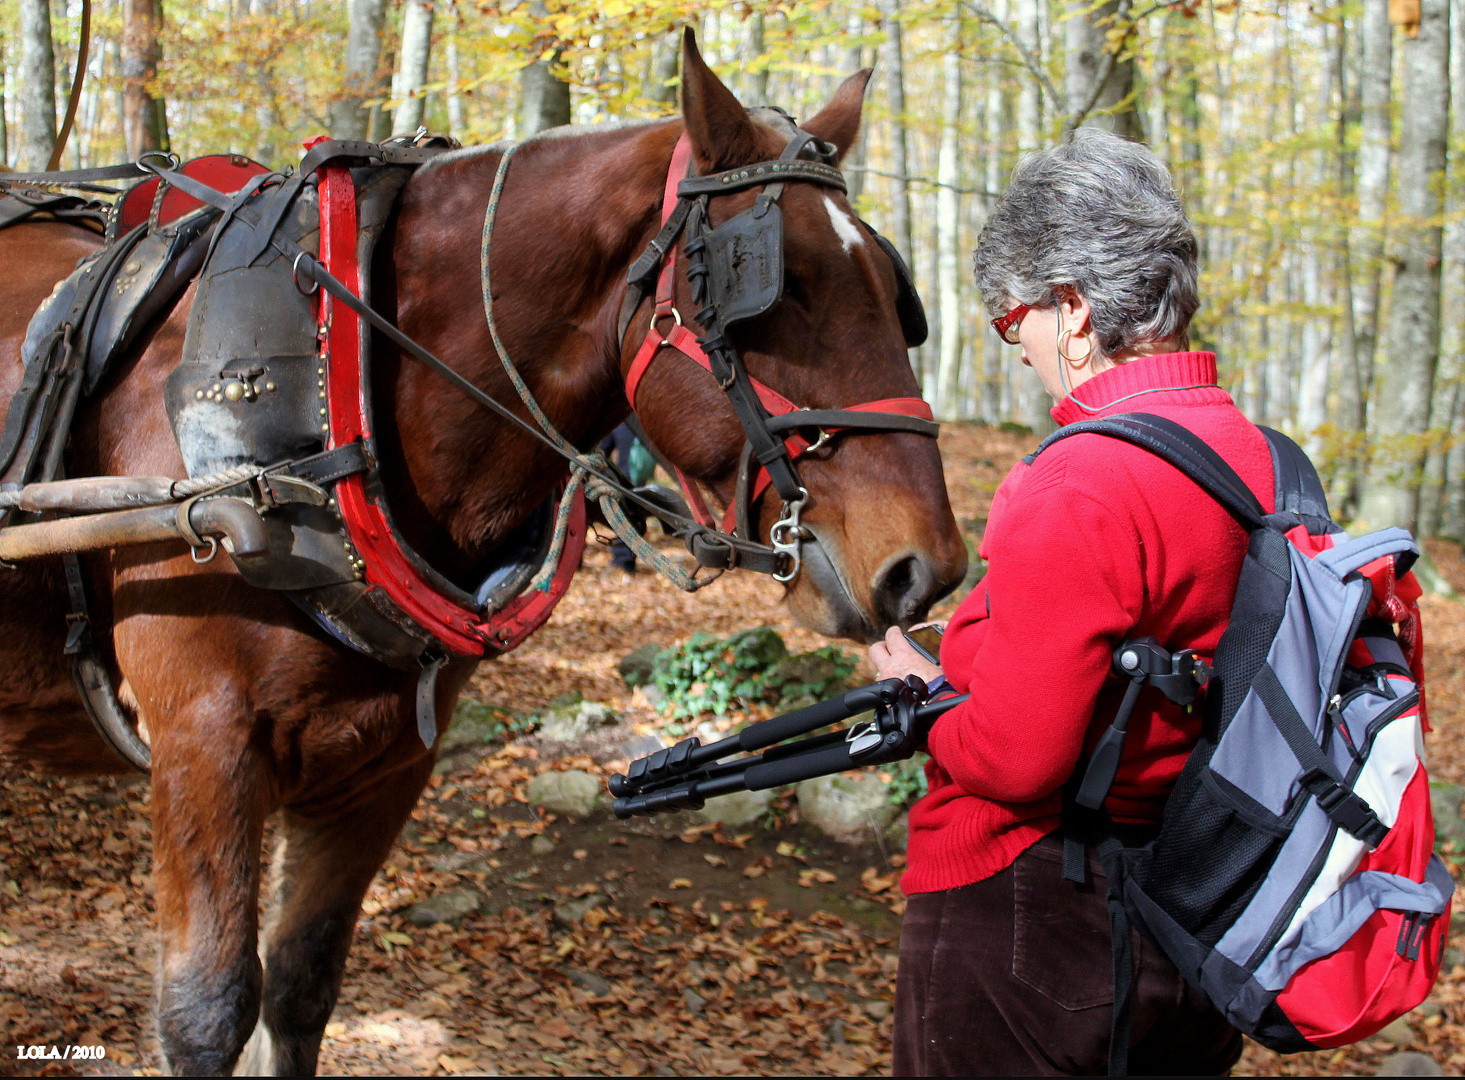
1096 542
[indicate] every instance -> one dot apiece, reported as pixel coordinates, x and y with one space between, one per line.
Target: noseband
736 273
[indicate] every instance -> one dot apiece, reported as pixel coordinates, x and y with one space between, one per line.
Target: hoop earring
1076 361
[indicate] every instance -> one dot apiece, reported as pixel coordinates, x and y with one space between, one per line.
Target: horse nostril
903 590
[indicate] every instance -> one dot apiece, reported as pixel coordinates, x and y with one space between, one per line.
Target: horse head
881 544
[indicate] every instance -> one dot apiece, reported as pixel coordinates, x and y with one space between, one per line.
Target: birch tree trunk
1391 495
544 100
900 190
659 83
350 119
1030 94
412 60
456 124
37 86
1347 376
758 80
4 128
854 60
994 354
948 218
1451 515
1111 104
1452 288
1367 243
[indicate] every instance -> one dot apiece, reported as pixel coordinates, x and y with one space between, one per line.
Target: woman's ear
1074 310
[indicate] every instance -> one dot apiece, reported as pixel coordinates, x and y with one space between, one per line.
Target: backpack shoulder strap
1299 489
1181 448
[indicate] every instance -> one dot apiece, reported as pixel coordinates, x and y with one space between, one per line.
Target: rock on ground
1410 1063
847 810
574 792
1398 1032
636 668
446 906
571 723
1445 801
738 809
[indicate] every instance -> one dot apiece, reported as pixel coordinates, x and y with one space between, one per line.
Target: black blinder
745 264
908 304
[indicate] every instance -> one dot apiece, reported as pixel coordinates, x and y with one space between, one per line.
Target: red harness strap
463 631
680 338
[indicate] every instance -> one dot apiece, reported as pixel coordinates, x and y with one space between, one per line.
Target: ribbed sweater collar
1184 378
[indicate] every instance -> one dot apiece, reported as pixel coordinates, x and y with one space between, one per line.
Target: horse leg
209 805
320 872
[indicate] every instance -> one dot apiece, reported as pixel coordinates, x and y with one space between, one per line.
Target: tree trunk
1391 496
854 60
544 100
758 78
994 408
1111 104
1030 94
4 128
350 119
900 190
1349 409
1452 288
1373 190
948 218
412 59
37 86
144 116
660 82
456 125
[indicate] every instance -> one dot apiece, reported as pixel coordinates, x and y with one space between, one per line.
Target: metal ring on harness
171 158
789 526
185 529
295 274
674 313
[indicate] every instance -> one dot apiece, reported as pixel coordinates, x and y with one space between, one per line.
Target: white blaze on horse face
844 226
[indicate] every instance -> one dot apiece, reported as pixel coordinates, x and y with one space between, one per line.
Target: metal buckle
788 526
295 274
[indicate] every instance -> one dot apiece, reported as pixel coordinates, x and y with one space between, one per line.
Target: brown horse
252 712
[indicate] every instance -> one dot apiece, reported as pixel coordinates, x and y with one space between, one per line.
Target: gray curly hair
1098 213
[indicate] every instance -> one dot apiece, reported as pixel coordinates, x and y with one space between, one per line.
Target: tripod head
685 776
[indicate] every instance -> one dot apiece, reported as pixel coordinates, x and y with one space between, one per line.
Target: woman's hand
895 659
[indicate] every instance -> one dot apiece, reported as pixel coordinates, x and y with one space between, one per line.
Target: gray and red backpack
1293 879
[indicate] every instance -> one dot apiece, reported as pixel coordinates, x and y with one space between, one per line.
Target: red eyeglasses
1006 325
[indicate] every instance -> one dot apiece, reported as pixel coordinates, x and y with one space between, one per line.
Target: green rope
525 395
580 471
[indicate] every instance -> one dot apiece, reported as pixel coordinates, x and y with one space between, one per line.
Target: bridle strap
762 411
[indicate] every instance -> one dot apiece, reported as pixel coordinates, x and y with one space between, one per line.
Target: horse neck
575 212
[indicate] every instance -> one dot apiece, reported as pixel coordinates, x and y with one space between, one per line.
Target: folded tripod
685 776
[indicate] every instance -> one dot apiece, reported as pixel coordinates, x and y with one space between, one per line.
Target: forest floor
665 947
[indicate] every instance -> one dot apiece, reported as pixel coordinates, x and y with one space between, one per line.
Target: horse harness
736 273
271 373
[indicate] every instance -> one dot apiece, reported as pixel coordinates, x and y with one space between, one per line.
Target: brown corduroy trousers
1014 976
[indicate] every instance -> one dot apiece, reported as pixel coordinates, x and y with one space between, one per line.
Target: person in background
1089 263
636 462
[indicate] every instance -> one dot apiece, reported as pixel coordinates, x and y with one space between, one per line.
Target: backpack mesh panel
1207 863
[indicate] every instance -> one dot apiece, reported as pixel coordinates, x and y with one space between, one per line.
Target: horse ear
839 121
721 131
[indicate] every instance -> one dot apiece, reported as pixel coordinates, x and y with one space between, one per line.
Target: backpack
1293 879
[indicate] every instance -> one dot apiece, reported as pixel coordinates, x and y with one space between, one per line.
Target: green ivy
706 674
908 781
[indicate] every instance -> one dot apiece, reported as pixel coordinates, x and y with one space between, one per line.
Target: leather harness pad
745 264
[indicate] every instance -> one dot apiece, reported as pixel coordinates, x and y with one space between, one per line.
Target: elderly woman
1089 263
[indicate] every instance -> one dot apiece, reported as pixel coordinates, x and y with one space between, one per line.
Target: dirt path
595 947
